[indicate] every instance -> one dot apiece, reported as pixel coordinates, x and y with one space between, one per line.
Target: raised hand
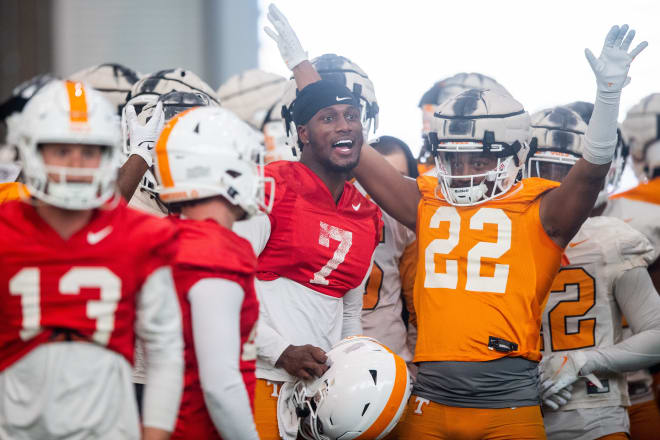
287 41
142 138
611 67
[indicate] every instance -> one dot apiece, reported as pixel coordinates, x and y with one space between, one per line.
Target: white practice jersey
392 275
582 311
68 390
644 217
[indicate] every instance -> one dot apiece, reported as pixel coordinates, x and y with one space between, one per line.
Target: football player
439 93
315 247
603 276
392 275
206 166
489 248
640 208
140 134
81 275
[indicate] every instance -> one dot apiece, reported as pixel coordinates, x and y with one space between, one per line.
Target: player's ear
303 134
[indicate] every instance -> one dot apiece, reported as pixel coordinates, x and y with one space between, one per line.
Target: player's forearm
396 194
129 176
352 315
149 433
270 344
159 327
640 304
216 310
305 74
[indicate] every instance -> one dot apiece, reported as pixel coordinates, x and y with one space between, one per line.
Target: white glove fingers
130 113
610 38
271 33
622 33
640 47
275 13
595 65
550 404
628 40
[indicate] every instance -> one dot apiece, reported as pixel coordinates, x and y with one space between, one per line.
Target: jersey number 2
26 285
475 281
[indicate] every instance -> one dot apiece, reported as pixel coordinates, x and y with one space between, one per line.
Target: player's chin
344 164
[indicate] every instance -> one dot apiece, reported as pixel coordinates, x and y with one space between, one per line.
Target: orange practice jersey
12 191
648 192
483 275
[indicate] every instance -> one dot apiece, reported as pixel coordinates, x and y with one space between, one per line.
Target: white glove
558 400
611 67
142 138
287 41
558 372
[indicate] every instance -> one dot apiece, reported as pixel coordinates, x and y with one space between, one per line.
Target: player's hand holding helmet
285 37
362 394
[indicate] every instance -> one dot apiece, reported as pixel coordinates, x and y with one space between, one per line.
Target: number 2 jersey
582 311
483 275
88 284
207 250
314 256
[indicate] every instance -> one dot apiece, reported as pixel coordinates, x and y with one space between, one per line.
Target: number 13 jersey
483 275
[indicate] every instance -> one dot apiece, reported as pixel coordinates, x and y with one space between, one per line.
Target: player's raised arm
564 209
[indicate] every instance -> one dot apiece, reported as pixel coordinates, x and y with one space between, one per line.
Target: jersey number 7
345 239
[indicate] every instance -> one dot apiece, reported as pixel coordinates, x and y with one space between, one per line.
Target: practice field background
535 49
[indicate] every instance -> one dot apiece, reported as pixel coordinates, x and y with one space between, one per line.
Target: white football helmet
621 153
251 95
641 131
255 96
73 113
471 124
114 81
343 71
362 394
209 151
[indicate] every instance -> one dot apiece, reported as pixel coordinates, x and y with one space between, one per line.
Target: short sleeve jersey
582 311
323 245
483 274
208 250
88 284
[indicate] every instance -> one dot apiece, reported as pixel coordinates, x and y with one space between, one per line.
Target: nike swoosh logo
356 207
95 237
577 243
342 99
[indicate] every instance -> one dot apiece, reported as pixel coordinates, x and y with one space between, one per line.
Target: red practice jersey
87 284
324 246
208 250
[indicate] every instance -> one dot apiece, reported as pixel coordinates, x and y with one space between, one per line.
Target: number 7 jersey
483 275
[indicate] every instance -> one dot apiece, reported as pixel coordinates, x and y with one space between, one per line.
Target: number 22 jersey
483 275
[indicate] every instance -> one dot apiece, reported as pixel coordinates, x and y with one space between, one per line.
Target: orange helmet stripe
77 101
162 159
394 401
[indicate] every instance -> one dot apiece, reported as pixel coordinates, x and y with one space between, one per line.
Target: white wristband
145 155
599 153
